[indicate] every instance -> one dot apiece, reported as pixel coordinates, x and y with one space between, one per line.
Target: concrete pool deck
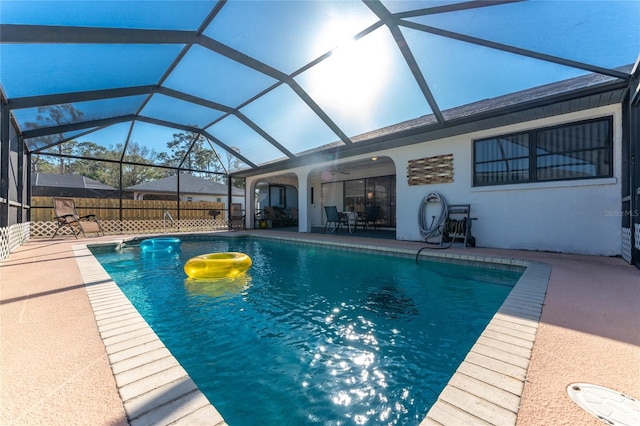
55 367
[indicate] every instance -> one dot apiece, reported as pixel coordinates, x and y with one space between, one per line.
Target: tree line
84 158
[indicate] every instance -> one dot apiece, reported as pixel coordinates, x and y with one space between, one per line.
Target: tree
133 174
194 150
187 150
233 163
50 116
41 164
94 169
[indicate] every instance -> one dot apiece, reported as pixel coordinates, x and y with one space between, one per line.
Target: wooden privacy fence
109 209
138 216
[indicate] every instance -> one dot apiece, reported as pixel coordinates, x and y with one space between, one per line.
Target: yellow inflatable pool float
217 265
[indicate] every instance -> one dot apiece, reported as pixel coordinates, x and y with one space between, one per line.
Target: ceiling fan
338 171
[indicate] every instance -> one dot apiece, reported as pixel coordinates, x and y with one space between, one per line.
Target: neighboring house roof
189 184
68 181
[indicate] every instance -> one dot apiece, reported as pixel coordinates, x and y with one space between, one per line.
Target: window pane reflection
359 194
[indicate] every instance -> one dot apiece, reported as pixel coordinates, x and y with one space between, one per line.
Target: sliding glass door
375 191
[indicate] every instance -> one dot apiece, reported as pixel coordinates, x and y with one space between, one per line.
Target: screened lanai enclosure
298 97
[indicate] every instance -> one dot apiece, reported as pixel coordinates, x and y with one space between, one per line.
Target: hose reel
441 228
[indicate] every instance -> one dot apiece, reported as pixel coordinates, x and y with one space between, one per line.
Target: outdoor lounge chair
236 216
334 219
67 215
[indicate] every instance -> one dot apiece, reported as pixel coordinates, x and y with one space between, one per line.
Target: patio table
351 220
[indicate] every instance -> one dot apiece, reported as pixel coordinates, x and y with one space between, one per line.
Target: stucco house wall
573 216
565 216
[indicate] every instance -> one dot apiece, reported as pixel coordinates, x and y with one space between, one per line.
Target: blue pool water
311 334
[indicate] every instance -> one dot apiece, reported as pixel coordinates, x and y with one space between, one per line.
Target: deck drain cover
612 407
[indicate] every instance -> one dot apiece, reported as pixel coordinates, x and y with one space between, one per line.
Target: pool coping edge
487 386
152 384
485 389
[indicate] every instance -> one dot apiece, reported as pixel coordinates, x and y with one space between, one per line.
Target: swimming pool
314 335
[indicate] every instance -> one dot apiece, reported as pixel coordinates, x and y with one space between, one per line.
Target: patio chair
334 219
236 216
67 216
292 216
369 218
275 216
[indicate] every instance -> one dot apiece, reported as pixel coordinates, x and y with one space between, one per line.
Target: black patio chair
334 219
369 218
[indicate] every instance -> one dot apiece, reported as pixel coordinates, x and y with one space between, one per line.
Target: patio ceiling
273 83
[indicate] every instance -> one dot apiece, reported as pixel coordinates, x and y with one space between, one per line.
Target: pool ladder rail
166 215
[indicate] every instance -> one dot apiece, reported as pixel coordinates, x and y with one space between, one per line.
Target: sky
362 85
